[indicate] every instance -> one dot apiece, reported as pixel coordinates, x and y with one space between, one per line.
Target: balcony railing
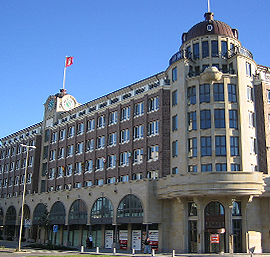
183 54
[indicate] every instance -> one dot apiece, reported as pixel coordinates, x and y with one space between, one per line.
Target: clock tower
57 104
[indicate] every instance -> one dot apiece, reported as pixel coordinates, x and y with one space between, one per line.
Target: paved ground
8 249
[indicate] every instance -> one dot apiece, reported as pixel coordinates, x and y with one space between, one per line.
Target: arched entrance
214 225
10 221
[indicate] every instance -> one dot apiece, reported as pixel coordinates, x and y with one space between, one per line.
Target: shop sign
123 239
153 237
108 238
136 239
214 238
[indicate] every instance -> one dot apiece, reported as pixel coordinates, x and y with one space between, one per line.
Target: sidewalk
8 248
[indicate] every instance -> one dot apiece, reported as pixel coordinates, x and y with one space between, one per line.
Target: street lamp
24 187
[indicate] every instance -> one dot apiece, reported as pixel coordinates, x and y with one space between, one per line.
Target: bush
50 246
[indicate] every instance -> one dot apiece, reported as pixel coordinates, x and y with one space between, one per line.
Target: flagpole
64 79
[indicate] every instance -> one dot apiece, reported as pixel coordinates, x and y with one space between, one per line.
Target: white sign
27 223
136 239
108 238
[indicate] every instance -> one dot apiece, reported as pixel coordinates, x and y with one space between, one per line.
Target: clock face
68 103
50 105
209 27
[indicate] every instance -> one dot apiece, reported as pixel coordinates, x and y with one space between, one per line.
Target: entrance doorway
214 217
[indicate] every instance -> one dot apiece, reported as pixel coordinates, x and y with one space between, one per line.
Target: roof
209 27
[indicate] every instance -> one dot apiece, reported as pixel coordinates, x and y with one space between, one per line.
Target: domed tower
213 138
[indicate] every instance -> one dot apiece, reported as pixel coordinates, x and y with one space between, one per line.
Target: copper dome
209 27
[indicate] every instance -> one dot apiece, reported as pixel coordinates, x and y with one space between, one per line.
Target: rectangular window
90 125
232 93
174 170
220 145
205 49
71 131
54 137
61 153
248 69
251 118
124 158
111 180
196 51
153 128
137 176
192 168
123 178
89 166
175 148
249 93
51 173
52 155
138 132
205 93
234 146
218 92
174 123
268 96
101 122
206 146
253 145
221 167
89 145
174 74
192 121
233 117
224 49
125 113
79 148
69 170
205 119
174 98
70 150
100 142
124 136
100 163
60 171
78 168
206 167
191 95
112 118
219 118
152 174
138 156
80 128
192 147
111 161
153 104
112 139
62 134
214 46
47 135
138 109
235 167
153 152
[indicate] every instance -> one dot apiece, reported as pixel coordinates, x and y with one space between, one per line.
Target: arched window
26 213
130 207
57 213
11 216
77 213
102 211
40 214
214 215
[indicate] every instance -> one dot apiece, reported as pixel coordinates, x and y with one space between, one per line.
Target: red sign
214 238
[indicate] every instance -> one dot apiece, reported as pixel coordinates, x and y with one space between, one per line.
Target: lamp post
24 188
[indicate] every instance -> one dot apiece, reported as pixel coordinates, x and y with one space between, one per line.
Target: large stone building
181 156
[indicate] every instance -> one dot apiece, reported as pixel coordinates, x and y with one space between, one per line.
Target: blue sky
114 43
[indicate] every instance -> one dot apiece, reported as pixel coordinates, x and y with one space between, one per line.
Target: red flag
69 61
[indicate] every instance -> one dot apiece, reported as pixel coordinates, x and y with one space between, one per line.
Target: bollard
133 251
173 253
153 252
82 250
97 249
114 250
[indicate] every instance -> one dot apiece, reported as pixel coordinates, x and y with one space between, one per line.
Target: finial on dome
208 6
